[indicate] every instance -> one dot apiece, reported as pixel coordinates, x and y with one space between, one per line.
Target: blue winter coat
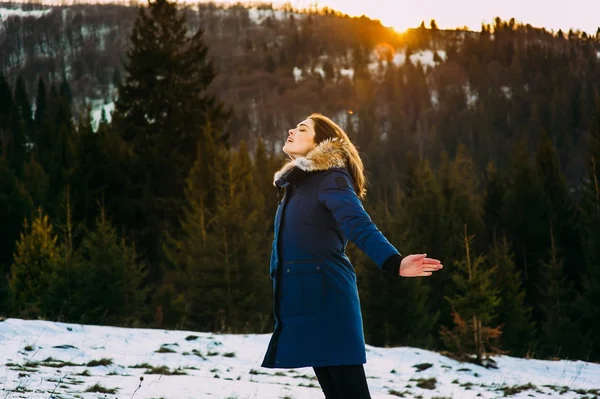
318 320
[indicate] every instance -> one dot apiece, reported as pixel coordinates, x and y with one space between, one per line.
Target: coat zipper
278 279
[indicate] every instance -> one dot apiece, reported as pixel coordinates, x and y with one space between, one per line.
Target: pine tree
562 212
264 168
245 245
6 104
419 204
56 151
590 217
495 186
225 250
15 205
396 309
462 187
36 259
161 111
193 252
518 332
560 334
21 126
60 303
110 278
40 112
474 307
463 204
525 215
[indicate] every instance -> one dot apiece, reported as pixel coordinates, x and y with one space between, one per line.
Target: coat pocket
303 288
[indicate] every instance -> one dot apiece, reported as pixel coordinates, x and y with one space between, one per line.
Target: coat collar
330 153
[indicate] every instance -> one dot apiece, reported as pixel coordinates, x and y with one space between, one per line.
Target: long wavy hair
325 129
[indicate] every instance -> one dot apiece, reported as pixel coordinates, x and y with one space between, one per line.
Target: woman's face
301 139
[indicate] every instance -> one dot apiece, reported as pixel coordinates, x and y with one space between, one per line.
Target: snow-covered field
40 359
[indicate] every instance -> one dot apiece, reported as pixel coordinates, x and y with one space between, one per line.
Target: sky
402 14
583 15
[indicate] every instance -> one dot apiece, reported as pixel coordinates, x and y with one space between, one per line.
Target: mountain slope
43 359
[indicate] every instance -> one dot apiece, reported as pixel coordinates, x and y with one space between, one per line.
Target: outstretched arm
337 194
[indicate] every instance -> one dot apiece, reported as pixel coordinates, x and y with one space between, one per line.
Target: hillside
274 65
39 358
480 149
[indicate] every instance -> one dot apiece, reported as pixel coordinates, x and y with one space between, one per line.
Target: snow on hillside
348 72
97 109
425 57
9 12
259 15
41 359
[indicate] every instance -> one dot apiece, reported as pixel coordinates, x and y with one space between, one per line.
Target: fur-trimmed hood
330 153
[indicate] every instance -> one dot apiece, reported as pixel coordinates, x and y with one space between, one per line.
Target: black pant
343 382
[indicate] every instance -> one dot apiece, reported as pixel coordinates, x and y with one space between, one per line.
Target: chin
286 148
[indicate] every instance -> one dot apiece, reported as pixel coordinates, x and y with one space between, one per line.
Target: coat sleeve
337 194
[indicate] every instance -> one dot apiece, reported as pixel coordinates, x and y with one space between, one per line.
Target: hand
419 266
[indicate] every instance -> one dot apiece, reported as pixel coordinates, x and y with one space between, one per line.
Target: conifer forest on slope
482 149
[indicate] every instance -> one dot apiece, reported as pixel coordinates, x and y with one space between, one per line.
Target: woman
316 304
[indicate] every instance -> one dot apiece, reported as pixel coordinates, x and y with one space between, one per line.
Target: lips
290 140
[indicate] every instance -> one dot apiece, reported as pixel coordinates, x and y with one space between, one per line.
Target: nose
291 132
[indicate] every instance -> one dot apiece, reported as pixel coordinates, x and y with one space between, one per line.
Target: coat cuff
392 265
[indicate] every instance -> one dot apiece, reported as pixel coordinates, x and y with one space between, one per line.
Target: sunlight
402 14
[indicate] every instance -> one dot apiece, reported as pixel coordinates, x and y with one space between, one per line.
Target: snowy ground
40 359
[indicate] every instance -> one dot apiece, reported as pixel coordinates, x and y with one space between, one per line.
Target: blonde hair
325 129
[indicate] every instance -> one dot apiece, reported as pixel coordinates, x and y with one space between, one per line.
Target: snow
598 54
399 58
507 92
97 113
425 57
297 74
258 16
349 72
374 67
228 366
320 71
5 13
472 96
435 98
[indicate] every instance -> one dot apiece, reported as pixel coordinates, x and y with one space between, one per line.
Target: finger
431 261
430 269
417 257
425 274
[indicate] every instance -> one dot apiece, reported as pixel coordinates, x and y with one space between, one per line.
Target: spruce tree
244 245
518 332
474 308
109 278
15 205
562 212
397 309
224 251
463 204
590 218
36 259
6 104
495 187
418 204
56 151
161 111
192 253
560 333
21 126
526 216
40 111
